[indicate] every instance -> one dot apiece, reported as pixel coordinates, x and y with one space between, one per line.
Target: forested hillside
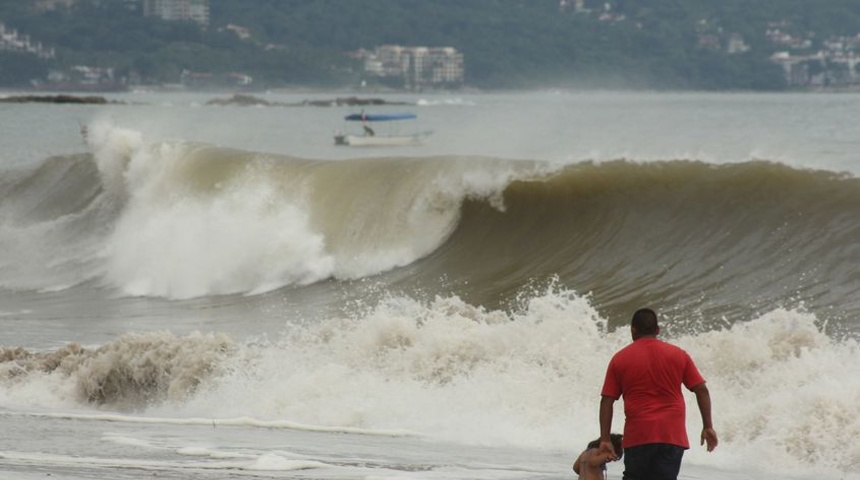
656 44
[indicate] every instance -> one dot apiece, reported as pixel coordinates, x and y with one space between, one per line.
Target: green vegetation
17 69
654 44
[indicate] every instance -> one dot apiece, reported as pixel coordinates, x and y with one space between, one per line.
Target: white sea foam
174 242
226 246
271 461
459 373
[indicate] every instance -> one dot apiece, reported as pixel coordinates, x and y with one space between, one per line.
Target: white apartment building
12 41
418 66
193 10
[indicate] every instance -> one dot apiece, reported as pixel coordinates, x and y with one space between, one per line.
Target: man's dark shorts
654 461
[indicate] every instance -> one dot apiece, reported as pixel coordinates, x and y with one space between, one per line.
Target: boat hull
378 140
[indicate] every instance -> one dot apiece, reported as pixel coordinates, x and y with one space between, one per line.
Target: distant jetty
242 100
89 100
252 101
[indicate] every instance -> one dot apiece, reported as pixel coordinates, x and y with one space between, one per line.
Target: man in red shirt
649 373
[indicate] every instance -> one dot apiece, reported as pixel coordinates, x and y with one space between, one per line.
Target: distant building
47 5
242 32
736 44
183 10
417 66
836 64
209 80
801 71
577 6
12 41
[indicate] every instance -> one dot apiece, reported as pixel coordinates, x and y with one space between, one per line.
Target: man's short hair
644 321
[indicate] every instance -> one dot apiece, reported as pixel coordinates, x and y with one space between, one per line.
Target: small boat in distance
392 137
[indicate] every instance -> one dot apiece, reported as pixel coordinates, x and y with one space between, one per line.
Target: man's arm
703 399
606 410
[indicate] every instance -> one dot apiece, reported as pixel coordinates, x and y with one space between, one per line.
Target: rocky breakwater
86 100
252 101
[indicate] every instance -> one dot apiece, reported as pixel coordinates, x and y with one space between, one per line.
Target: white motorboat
392 137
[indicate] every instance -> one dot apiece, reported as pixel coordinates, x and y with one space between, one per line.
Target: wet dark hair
615 438
644 322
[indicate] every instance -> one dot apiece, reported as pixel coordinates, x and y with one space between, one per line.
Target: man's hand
607 451
709 435
703 399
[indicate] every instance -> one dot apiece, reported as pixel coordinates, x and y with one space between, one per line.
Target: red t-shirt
648 373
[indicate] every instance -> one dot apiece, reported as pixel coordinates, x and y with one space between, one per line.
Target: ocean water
213 292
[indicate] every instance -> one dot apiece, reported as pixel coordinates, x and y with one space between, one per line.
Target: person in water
364 123
591 463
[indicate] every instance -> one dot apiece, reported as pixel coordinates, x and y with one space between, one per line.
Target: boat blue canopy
379 117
